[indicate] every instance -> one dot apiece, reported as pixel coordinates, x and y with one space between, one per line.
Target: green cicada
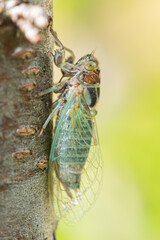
75 164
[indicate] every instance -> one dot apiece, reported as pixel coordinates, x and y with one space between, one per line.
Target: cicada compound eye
90 66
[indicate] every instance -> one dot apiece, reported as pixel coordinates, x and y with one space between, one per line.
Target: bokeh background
126 37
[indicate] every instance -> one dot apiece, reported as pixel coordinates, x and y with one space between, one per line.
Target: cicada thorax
91 93
71 151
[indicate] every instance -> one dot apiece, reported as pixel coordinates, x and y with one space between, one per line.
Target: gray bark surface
25 209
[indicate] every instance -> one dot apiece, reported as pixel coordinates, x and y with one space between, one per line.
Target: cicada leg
66 65
56 105
70 58
58 42
56 88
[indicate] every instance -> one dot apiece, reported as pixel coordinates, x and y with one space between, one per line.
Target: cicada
75 163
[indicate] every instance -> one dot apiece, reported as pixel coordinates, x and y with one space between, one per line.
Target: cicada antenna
93 52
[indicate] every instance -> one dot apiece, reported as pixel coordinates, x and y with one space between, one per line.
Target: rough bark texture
25 211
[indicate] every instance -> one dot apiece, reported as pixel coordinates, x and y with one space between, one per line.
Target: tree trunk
25 69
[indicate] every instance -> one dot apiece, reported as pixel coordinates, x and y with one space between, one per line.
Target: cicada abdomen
72 150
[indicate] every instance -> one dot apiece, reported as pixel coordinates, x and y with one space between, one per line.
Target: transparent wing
81 143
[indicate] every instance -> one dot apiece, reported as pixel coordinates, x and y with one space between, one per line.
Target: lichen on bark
26 212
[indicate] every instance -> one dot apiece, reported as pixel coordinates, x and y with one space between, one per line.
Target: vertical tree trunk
25 69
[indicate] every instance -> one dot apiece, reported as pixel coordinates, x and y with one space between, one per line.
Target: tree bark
25 69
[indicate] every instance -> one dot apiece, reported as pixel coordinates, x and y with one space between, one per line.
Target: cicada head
91 71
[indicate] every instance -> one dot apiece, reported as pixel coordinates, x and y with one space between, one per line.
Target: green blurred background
126 36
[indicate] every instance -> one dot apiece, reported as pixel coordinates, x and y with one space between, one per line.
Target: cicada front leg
67 65
71 57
